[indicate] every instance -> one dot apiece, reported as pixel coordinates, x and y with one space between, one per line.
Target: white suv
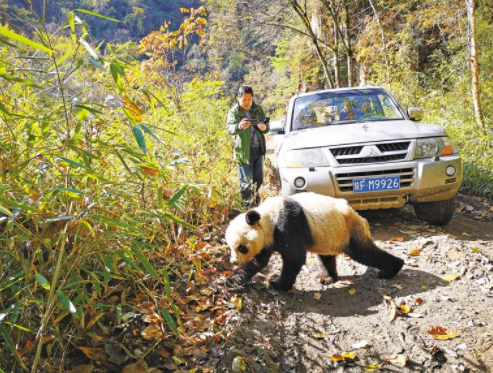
359 144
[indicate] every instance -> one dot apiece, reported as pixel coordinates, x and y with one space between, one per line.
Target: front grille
350 150
345 181
393 146
371 153
384 158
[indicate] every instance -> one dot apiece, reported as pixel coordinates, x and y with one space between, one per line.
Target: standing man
248 124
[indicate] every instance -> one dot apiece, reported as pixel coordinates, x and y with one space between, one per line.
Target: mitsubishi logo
370 151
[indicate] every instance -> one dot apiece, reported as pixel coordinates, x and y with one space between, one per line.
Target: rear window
334 108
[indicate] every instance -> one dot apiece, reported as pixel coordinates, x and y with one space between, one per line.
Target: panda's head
245 237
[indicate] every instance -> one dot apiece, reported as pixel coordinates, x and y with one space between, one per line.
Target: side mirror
415 113
277 127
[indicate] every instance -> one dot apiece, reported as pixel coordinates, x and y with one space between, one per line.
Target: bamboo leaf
67 303
114 223
89 227
179 220
16 79
149 131
97 64
97 15
147 265
177 196
73 163
5 211
72 27
116 71
4 110
10 344
139 136
61 59
89 49
59 218
127 260
23 40
43 282
169 319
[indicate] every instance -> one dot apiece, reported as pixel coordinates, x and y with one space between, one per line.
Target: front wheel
436 213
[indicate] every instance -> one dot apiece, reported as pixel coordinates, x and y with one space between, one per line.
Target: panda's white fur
302 223
330 220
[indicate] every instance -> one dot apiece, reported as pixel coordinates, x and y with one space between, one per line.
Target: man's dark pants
251 175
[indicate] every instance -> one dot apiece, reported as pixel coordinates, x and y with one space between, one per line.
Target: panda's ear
252 217
233 214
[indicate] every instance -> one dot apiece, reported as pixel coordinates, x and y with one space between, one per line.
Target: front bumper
422 180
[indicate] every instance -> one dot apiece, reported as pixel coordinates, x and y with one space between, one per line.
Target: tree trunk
362 73
306 22
336 57
384 42
473 61
349 50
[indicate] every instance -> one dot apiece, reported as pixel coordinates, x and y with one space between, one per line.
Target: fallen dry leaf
398 360
475 249
337 357
87 368
405 308
396 239
352 291
372 367
441 333
343 283
348 356
450 278
317 296
393 307
154 318
152 332
139 367
93 353
419 301
239 364
415 252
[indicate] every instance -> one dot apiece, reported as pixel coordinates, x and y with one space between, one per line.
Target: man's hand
244 124
261 127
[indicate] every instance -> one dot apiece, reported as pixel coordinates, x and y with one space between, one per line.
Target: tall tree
473 62
302 13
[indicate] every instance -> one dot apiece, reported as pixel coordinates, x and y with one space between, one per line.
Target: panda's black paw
279 285
236 281
391 272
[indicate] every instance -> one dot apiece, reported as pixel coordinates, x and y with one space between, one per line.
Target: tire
436 213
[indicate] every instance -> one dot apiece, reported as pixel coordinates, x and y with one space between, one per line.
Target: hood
346 134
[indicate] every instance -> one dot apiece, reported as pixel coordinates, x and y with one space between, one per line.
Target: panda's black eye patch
242 249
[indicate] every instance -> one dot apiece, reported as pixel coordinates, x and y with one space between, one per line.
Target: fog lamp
451 170
299 182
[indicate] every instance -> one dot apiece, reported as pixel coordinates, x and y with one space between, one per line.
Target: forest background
113 144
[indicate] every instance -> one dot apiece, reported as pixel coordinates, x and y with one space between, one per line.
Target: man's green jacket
242 137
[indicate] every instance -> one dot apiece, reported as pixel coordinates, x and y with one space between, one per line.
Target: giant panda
296 225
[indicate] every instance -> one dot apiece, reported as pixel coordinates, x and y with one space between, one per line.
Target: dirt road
362 323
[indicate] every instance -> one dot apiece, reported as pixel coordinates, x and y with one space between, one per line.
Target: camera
255 122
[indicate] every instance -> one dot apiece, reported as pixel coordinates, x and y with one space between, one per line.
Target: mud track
447 282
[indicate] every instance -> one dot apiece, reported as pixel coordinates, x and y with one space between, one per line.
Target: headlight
306 158
436 146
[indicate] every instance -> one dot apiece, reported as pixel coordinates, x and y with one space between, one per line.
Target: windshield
343 107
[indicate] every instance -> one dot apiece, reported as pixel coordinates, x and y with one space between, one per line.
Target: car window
330 108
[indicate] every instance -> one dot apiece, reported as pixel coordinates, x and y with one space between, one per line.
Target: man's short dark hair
245 89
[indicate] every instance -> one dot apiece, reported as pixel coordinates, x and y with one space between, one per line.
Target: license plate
371 184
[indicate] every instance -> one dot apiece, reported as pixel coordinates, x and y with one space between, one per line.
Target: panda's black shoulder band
252 217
